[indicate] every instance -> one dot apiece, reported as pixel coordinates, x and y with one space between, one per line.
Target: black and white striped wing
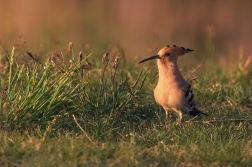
189 99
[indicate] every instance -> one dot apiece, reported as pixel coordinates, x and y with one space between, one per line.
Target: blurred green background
215 29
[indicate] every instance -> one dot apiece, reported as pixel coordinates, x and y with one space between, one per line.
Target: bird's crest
173 50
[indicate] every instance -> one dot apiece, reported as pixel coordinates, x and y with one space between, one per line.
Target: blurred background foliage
217 30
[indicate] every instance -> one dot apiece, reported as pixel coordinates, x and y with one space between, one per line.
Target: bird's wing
189 99
188 94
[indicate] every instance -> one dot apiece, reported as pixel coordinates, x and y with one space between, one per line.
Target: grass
67 111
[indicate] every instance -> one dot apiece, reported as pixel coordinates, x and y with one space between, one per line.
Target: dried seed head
86 65
31 56
70 47
80 57
56 57
105 58
117 61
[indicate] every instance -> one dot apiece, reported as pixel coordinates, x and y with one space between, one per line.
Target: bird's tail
195 112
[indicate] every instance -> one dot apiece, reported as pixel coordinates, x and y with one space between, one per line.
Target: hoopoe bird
173 92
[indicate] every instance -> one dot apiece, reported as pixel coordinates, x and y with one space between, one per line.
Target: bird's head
168 53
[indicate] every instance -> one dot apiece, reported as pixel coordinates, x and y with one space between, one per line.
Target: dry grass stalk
247 65
85 133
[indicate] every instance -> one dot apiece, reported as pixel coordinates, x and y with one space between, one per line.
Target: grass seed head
80 57
117 61
30 55
70 47
105 58
55 57
86 64
12 55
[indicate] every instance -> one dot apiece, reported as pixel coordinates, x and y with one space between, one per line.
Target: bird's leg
166 113
180 114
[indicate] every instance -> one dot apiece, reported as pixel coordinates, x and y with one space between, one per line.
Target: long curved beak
149 58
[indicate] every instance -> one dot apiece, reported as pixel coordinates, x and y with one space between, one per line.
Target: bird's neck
169 71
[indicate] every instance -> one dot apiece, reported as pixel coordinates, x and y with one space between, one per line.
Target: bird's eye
167 54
